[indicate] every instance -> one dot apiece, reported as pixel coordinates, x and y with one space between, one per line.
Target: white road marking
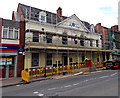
17 85
35 92
76 84
40 94
86 80
103 76
51 88
91 79
113 74
67 86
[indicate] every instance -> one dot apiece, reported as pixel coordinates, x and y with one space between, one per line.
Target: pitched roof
51 18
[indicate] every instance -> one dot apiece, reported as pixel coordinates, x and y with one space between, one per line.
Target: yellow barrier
26 75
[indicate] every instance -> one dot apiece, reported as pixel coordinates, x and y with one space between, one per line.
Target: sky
92 11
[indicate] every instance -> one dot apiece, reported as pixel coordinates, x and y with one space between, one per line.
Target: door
65 60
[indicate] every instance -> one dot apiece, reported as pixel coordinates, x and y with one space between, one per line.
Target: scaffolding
58 45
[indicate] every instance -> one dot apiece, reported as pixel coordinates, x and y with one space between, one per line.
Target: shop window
49 59
64 39
49 38
35 59
35 37
97 43
82 43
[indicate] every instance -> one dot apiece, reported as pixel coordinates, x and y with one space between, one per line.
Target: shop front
8 60
8 65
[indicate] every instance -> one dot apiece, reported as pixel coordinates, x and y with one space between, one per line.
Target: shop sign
19 48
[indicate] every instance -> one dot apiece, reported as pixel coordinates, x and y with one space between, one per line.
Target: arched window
64 39
49 38
82 42
75 40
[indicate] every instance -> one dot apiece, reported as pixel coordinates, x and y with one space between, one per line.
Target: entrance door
2 71
65 60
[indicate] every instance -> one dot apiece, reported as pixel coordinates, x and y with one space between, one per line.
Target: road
101 83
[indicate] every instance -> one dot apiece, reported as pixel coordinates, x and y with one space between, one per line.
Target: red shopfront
9 60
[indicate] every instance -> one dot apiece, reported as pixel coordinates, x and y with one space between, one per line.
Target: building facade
110 39
11 49
114 41
52 39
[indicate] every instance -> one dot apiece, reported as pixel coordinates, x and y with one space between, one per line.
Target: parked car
111 65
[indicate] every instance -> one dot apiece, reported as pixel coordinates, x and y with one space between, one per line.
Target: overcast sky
93 11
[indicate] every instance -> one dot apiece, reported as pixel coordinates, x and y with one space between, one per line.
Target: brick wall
0 29
21 56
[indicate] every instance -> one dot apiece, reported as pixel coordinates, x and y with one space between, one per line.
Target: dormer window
42 16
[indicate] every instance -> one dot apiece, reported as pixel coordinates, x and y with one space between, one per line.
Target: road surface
100 83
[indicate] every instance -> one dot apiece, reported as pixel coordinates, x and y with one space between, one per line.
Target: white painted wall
50 28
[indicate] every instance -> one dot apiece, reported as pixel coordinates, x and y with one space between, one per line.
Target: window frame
49 38
36 37
3 32
91 43
97 43
38 58
82 43
64 39
49 59
8 33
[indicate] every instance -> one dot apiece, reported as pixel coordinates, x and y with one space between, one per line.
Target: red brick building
11 47
104 35
110 39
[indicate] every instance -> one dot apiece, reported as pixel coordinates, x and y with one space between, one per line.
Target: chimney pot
59 11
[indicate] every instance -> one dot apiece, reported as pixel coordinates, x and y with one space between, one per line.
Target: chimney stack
59 11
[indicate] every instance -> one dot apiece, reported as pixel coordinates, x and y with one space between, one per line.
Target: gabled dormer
42 16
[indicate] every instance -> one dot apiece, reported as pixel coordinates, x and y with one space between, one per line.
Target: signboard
19 48
5 61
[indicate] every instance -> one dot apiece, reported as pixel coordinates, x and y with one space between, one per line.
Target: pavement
18 80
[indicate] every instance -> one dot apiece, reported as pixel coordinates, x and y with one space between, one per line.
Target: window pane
5 32
35 37
49 38
42 18
16 34
82 42
75 40
35 59
64 39
49 59
91 43
96 43
10 33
